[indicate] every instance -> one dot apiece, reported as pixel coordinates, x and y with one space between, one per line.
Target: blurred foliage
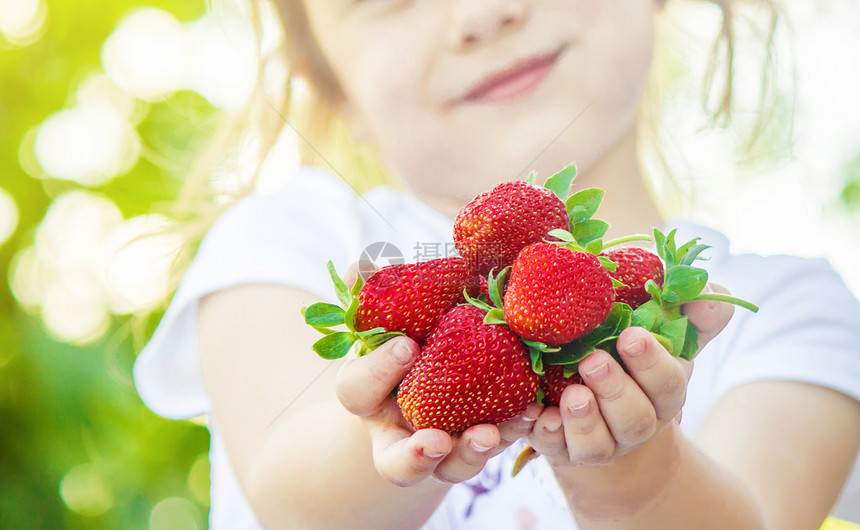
72 427
850 195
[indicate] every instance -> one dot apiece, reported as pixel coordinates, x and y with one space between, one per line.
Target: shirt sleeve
285 238
807 328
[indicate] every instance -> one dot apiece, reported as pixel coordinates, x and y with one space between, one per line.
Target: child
455 97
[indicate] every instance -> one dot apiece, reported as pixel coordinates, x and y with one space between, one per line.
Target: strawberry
467 373
411 297
492 229
556 294
396 300
553 382
635 267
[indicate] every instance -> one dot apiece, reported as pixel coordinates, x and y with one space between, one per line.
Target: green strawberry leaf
663 342
323 315
540 346
691 343
685 281
611 325
648 315
369 333
537 361
586 231
494 286
339 287
531 178
596 247
374 341
325 331
477 302
349 316
570 353
334 346
659 243
562 235
356 287
607 263
582 205
692 253
539 396
653 289
569 370
560 182
495 316
676 332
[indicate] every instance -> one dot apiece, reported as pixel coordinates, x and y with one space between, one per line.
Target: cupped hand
402 455
615 410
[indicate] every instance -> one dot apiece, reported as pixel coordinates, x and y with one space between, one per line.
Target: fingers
364 383
707 316
404 458
519 426
661 377
471 451
626 409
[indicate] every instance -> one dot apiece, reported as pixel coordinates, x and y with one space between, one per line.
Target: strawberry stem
728 299
627 239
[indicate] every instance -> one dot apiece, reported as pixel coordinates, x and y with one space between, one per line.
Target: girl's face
458 95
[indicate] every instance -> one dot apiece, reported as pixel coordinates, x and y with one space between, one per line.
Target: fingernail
432 454
552 427
579 410
599 372
402 352
479 448
529 419
635 347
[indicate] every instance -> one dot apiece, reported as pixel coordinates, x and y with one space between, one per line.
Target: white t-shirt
808 329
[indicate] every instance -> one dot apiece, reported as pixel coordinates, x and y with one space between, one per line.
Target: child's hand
404 456
614 412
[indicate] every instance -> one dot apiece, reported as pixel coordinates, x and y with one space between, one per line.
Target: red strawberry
556 295
467 373
553 382
635 267
411 297
491 230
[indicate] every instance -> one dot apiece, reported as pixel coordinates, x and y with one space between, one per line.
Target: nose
477 21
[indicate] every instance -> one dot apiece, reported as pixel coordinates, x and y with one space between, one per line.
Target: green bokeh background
66 408
71 423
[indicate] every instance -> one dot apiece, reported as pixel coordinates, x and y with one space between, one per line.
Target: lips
516 80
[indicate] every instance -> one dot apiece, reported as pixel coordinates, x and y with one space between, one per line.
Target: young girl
457 96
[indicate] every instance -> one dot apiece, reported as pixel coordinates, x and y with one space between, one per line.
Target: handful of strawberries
535 291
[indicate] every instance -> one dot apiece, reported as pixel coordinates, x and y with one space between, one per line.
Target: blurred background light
145 54
175 513
22 22
8 215
61 273
72 231
138 255
222 59
85 491
198 479
90 144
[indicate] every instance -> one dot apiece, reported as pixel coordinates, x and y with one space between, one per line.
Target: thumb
363 384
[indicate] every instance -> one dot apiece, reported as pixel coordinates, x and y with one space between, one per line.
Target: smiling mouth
517 80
